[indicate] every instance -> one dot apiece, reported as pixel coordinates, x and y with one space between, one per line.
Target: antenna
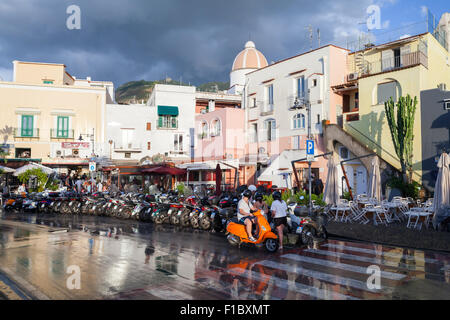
318 36
310 30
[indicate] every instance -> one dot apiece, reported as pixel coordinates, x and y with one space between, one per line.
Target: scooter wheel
205 223
271 245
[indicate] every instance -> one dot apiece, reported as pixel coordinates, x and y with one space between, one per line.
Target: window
318 119
23 153
301 87
204 130
356 100
127 138
62 130
385 91
296 141
178 142
254 103
215 129
149 126
27 126
298 121
269 106
254 132
343 153
168 122
127 155
314 82
270 127
149 145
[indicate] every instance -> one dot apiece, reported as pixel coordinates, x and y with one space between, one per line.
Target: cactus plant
402 131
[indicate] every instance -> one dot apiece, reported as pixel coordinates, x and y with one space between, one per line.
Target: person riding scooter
245 213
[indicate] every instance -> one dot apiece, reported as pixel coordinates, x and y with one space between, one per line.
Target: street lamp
299 104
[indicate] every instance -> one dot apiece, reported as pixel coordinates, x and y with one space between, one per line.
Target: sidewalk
395 235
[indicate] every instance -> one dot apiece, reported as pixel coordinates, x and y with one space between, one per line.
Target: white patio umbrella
331 191
442 187
33 165
6 169
375 180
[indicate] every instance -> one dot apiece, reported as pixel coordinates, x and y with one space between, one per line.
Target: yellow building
45 111
407 66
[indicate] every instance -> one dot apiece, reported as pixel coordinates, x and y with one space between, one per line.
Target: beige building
49 115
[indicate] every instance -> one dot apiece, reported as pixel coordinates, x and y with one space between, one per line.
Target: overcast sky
197 40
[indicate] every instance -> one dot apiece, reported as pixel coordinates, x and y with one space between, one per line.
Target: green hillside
136 91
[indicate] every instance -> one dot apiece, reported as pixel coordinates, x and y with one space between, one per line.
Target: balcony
351 116
61 134
127 147
367 68
266 109
26 133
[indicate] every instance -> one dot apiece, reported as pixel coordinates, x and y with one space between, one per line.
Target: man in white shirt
244 213
100 186
79 184
279 212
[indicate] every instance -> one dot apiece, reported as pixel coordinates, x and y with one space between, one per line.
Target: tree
401 125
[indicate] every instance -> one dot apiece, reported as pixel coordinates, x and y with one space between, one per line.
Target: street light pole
300 105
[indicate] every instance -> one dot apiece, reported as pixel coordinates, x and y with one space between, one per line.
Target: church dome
249 58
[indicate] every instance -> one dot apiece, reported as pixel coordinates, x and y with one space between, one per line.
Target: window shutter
160 121
149 126
148 145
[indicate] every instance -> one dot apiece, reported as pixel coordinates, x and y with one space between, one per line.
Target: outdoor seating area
365 210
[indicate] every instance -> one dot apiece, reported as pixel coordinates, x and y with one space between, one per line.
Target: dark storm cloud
147 39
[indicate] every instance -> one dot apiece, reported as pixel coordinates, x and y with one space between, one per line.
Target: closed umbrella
218 180
331 192
442 187
375 180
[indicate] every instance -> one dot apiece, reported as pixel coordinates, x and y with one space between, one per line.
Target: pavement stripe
362 259
342 266
361 285
384 254
298 287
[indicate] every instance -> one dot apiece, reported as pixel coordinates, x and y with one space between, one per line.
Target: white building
172 121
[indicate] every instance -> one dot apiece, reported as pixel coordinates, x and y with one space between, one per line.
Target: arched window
215 128
204 130
298 121
270 128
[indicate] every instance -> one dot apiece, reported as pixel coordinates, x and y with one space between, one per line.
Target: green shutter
27 126
63 127
160 121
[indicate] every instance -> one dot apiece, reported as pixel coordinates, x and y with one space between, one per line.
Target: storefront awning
165 170
167 111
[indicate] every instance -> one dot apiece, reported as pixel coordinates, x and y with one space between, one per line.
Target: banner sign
75 145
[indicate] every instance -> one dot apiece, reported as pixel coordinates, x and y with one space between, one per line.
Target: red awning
165 170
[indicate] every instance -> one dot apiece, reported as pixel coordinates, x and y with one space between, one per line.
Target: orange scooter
238 235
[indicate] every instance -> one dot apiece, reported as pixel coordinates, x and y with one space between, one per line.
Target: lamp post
299 104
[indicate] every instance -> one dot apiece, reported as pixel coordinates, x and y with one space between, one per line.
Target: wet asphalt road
131 260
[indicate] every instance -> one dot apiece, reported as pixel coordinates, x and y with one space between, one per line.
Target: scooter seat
235 220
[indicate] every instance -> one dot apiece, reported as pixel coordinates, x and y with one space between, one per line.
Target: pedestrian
318 186
22 189
100 186
79 185
279 213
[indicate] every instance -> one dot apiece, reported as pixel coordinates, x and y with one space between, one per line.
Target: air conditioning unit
75 152
352 76
442 87
58 153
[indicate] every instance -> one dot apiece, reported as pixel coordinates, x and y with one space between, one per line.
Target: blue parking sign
310 147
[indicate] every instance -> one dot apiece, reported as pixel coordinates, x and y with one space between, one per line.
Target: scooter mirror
302 197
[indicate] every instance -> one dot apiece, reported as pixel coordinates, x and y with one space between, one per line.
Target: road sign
310 147
309 157
92 166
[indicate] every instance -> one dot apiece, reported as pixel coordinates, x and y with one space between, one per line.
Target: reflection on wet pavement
131 260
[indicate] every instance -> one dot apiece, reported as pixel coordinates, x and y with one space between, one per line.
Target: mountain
138 91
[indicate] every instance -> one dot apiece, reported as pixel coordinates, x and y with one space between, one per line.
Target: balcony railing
61 134
132 146
266 109
26 133
365 68
351 116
